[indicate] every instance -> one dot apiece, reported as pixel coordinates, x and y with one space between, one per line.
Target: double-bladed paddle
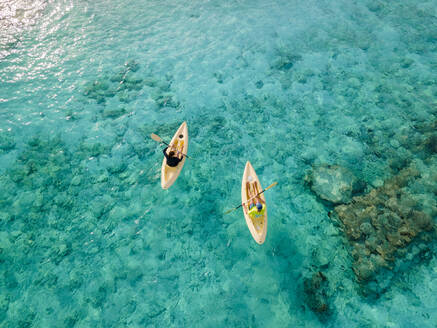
233 209
159 139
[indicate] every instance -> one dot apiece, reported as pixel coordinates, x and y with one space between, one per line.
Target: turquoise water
89 239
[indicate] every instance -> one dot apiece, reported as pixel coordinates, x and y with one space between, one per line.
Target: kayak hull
257 227
180 141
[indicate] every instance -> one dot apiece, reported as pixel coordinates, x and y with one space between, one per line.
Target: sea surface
89 239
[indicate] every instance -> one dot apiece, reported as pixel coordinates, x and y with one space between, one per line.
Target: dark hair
181 136
171 153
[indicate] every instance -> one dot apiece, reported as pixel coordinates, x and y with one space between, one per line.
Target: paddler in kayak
256 208
171 158
257 211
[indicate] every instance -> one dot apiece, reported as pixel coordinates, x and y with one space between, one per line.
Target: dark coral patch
381 224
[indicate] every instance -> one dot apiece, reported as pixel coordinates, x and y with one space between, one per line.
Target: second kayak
250 187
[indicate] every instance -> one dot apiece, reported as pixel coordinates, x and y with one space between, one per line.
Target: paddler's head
259 206
171 154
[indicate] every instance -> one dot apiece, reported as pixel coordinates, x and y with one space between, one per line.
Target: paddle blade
271 186
156 137
229 211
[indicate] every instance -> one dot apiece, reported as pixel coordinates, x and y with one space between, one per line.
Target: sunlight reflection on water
40 20
16 15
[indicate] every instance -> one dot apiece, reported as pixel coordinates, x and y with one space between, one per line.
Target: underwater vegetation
126 83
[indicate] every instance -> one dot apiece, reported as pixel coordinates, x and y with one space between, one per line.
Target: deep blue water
89 239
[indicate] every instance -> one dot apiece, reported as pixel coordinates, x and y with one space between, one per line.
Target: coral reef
7 142
285 59
166 100
426 141
125 83
381 224
114 112
316 290
51 198
120 83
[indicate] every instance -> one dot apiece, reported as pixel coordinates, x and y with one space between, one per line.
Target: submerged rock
333 183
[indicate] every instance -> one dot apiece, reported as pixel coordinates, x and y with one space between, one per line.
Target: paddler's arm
165 152
258 198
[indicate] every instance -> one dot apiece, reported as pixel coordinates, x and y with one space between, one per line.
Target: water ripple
15 16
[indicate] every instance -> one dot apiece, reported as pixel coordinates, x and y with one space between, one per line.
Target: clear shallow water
88 238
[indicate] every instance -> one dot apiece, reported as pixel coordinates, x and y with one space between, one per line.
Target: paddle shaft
272 185
159 139
247 201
